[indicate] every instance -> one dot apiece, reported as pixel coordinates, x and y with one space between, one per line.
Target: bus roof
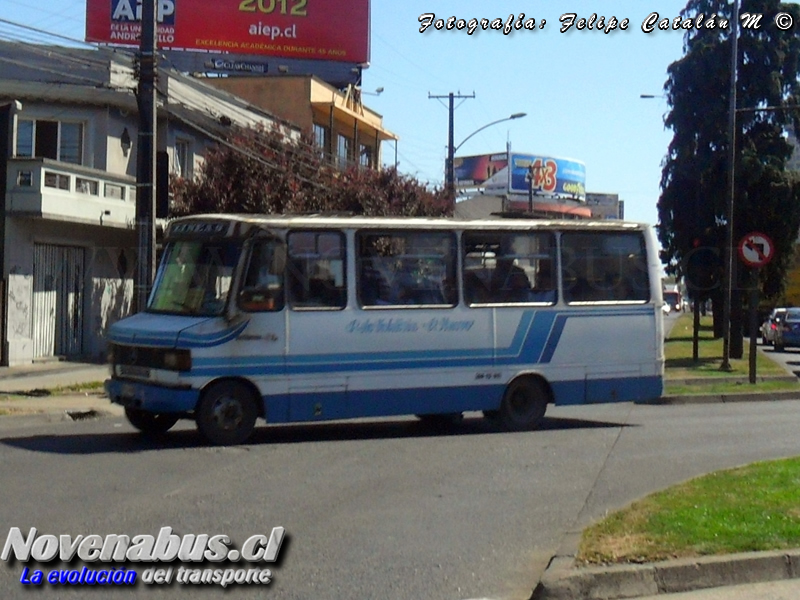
362 222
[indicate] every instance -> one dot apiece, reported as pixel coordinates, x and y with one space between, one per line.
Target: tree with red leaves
260 171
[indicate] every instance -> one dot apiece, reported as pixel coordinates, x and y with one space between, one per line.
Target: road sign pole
754 298
755 250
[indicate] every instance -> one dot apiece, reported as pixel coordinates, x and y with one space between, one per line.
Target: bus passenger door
258 353
317 297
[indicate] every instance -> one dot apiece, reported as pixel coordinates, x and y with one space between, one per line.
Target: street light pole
509 118
729 254
451 151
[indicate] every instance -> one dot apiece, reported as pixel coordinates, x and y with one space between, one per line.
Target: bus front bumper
151 398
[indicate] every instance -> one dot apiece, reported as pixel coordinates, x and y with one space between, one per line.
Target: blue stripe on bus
535 341
381 403
601 391
391 402
387 402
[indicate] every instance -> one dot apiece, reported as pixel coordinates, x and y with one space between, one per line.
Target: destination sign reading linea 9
334 30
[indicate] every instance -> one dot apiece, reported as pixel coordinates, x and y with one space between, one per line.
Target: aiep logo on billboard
127 11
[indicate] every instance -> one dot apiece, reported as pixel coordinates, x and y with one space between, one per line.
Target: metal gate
58 284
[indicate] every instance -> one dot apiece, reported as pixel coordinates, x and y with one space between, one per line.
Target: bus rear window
604 267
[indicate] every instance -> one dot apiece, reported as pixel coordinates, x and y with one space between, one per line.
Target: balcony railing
40 187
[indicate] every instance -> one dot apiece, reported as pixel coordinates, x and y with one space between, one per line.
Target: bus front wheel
150 423
524 404
226 414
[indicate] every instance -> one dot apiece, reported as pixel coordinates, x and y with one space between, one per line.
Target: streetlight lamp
377 92
451 151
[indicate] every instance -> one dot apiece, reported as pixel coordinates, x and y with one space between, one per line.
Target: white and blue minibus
313 318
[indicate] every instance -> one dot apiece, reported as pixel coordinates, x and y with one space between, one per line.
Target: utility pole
146 157
729 270
449 169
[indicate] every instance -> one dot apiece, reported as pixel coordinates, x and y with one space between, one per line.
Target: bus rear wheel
150 423
226 414
524 404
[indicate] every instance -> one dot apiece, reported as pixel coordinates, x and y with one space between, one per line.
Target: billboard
338 74
333 30
547 175
473 171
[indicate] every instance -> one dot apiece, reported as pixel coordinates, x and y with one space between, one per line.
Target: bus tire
226 414
150 423
524 404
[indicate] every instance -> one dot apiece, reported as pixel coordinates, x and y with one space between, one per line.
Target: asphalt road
789 358
382 509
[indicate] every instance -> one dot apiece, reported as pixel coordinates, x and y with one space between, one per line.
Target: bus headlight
178 360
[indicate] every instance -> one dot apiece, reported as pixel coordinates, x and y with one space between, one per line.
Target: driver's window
262 286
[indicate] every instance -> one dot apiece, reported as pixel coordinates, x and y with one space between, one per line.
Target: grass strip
750 508
680 366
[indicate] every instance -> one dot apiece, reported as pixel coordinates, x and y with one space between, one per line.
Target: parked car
770 326
787 331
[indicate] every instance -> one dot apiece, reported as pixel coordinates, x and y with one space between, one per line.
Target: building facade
68 135
346 132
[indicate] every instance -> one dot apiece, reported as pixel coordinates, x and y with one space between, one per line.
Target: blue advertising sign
548 176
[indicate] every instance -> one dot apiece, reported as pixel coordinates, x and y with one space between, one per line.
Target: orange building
346 131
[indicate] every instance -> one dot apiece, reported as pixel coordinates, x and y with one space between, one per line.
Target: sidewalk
32 390
770 590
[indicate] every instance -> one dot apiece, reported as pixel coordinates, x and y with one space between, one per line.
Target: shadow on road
188 437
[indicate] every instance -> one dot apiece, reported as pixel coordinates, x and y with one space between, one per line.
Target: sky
580 90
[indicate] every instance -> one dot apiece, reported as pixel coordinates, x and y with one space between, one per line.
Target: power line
48 33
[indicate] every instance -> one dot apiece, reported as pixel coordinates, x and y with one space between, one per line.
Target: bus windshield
195 277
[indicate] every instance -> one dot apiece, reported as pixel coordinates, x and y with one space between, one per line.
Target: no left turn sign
756 249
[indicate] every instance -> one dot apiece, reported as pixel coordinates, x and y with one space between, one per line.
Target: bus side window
544 286
509 282
262 287
315 273
509 267
406 268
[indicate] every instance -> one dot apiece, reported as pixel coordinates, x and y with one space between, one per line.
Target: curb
717 398
562 581
741 380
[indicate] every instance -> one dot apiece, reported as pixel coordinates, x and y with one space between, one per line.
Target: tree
692 209
259 171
